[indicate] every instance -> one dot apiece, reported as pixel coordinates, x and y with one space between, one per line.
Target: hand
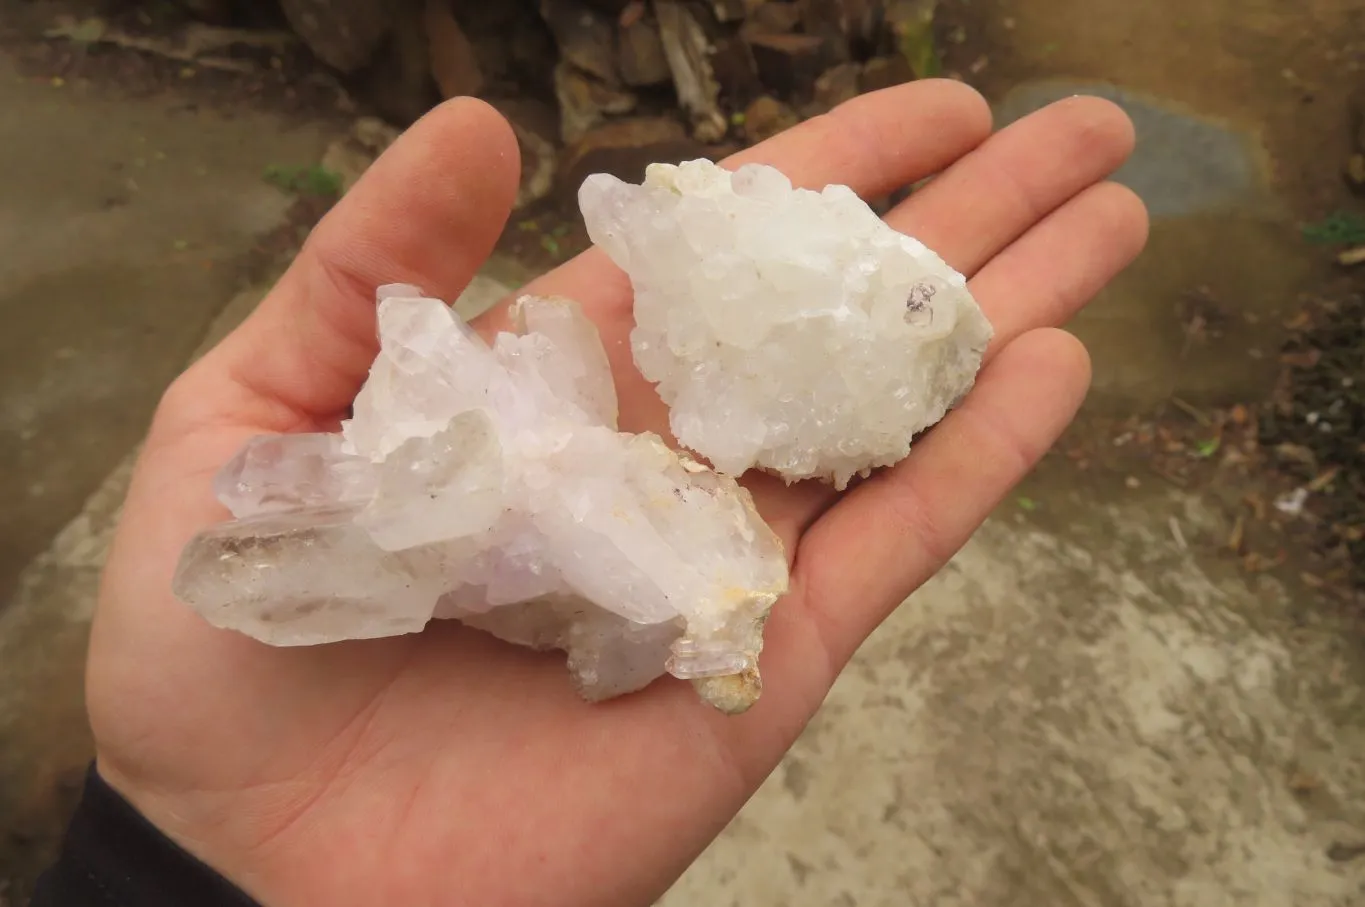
446 767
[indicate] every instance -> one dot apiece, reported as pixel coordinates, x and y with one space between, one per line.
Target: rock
732 64
817 365
737 75
790 64
489 27
864 22
454 64
374 133
687 50
344 34
773 18
513 46
351 155
883 72
399 84
766 117
538 161
837 85
586 37
509 500
534 122
585 101
635 11
819 16
533 53
625 148
842 21
825 19
641 54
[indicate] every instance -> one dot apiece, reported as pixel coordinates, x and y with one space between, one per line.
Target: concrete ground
111 274
124 227
1088 707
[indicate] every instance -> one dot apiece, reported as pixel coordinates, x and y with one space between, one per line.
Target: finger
1041 280
873 144
427 212
881 141
890 534
1046 276
992 196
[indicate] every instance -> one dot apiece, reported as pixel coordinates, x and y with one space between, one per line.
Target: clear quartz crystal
787 329
489 484
285 472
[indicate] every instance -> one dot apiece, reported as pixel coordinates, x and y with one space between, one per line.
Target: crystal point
488 484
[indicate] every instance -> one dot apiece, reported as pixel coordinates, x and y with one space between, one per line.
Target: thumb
427 212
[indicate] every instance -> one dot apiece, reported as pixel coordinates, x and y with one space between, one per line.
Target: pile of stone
620 76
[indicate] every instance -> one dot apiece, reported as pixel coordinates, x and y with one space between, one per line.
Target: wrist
115 855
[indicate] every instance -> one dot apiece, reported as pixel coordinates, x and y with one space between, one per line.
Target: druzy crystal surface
787 329
489 483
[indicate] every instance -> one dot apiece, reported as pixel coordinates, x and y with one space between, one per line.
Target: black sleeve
113 857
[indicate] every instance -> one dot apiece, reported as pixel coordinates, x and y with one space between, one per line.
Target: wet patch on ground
113 272
1243 117
1199 315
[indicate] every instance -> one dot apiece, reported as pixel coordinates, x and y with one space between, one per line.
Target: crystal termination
490 484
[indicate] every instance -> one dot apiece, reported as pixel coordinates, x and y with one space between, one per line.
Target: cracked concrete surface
1053 721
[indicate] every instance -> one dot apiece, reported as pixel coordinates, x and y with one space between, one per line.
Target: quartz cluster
789 330
786 329
490 484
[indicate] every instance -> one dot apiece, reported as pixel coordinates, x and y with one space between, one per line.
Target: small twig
1352 257
1169 477
1178 535
1238 533
1195 414
1325 479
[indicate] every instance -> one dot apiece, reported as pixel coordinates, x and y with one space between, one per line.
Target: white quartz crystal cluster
490 484
786 329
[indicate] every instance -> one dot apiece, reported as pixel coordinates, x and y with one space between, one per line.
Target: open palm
446 767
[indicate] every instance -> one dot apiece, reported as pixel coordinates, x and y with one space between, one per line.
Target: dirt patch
1316 423
1274 501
